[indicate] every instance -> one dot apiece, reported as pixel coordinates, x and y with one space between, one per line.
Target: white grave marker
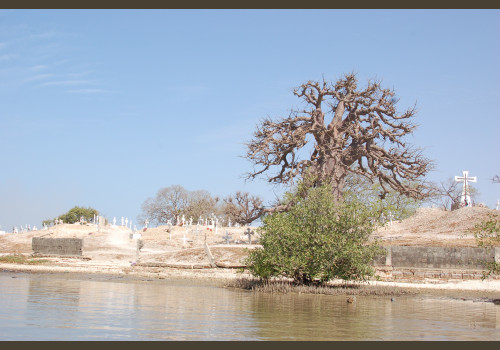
465 200
391 216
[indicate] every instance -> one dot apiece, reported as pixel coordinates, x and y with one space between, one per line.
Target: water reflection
55 307
298 317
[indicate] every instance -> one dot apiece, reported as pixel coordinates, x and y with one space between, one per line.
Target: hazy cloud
38 67
79 75
66 82
39 77
7 57
87 91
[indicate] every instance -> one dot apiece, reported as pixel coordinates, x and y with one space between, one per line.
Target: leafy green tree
363 190
316 240
74 215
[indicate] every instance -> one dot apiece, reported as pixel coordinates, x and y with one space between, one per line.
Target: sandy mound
436 227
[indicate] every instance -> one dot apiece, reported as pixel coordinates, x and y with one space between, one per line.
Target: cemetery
435 240
433 243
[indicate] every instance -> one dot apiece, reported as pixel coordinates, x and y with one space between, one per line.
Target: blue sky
102 108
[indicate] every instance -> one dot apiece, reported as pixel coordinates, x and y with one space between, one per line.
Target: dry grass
435 227
283 287
21 259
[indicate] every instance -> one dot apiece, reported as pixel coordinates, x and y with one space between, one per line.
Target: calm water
58 307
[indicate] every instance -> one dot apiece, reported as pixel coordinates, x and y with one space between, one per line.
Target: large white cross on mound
465 200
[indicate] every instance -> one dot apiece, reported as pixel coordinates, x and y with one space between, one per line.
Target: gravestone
391 216
136 235
249 233
227 237
382 219
101 221
197 232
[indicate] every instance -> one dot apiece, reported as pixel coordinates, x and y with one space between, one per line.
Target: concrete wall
437 257
57 246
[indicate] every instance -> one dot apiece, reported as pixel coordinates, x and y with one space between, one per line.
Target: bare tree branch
352 130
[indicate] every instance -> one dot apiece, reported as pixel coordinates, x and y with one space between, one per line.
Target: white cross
227 237
465 197
498 203
391 216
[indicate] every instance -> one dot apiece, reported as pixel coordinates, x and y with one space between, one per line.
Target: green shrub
487 234
74 215
316 240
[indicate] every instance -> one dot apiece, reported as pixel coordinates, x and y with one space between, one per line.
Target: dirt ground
182 253
114 245
186 245
435 227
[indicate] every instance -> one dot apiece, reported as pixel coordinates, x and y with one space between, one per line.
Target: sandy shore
111 252
124 271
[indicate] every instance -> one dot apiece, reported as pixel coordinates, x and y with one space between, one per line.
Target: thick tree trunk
335 174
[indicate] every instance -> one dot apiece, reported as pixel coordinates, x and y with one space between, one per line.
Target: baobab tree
348 130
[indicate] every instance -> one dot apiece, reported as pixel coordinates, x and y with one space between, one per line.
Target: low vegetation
487 235
21 259
288 286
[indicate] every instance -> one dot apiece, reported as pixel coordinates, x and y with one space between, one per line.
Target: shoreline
119 271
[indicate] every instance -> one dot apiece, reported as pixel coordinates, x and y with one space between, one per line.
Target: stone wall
437 257
57 246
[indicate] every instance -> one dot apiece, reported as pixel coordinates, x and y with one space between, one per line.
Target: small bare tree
447 194
172 201
496 179
350 130
201 203
242 207
166 205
